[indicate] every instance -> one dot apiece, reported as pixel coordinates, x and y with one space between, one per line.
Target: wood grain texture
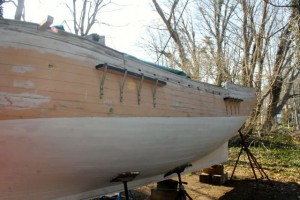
73 88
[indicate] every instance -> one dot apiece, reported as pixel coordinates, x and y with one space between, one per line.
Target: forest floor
278 154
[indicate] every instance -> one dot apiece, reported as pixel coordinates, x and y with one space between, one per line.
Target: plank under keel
217 156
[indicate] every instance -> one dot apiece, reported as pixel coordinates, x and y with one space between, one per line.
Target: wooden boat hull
75 114
51 158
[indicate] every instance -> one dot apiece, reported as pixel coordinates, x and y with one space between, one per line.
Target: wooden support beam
140 88
122 85
102 81
46 23
154 93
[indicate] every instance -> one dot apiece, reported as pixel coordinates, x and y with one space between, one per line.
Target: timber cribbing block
215 169
165 190
219 179
213 175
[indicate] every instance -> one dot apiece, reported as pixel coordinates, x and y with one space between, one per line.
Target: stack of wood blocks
166 190
213 175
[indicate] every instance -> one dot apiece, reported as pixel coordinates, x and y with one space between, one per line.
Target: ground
243 187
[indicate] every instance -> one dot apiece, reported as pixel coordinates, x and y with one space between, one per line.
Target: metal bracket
122 85
140 88
102 81
154 93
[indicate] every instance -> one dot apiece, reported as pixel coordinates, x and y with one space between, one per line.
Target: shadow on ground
251 190
240 189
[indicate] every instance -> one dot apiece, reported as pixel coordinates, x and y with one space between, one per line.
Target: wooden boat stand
252 160
182 194
124 178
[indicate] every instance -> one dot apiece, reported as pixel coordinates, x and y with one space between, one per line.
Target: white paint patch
23 84
22 69
22 101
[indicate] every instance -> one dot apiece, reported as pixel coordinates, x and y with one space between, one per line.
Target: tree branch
280 6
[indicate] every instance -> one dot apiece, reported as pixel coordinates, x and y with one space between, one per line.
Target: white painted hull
75 158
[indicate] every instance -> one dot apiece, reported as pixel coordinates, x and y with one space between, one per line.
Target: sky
127 21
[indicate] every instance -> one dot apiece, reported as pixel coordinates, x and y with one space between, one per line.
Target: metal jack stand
124 178
182 194
252 160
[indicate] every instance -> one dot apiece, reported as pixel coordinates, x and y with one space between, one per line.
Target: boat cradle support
125 177
182 194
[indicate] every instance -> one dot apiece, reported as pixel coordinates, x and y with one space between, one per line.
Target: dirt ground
243 187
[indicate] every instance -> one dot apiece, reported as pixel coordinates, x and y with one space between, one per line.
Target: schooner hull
51 158
74 114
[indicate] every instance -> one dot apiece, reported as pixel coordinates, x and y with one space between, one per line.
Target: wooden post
46 23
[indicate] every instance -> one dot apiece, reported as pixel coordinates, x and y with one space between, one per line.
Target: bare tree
281 60
250 42
170 20
187 52
154 43
296 102
20 8
257 34
216 16
85 13
20 11
1 9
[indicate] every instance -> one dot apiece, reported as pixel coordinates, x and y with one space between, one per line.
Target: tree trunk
272 107
296 106
297 124
185 62
20 10
277 80
1 9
